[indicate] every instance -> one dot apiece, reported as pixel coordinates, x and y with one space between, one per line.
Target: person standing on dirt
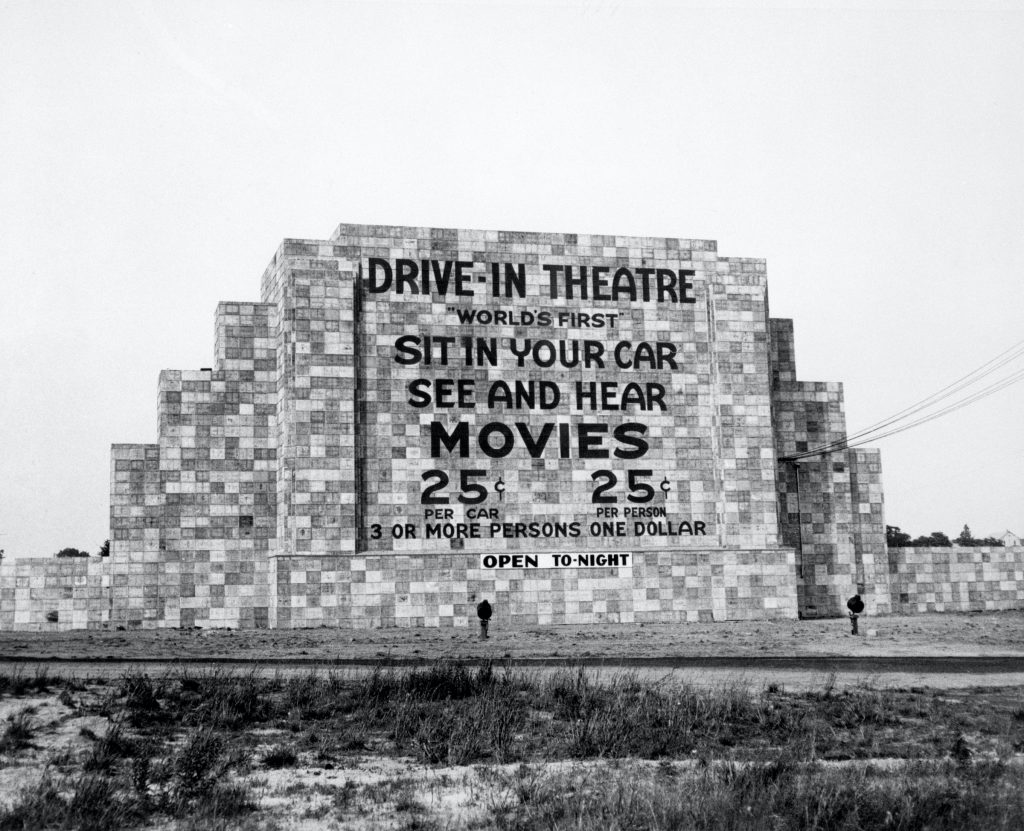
856 606
483 611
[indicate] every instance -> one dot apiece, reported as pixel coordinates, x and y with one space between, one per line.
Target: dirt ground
988 634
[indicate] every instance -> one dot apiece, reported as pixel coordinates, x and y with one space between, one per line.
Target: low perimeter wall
402 590
52 594
956 579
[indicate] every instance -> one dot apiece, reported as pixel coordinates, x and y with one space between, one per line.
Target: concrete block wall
956 579
442 590
830 506
193 516
737 309
404 590
45 595
870 557
313 290
135 530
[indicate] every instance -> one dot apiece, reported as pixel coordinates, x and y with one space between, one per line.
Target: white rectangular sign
549 559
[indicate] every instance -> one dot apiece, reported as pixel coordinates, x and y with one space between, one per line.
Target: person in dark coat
483 611
856 606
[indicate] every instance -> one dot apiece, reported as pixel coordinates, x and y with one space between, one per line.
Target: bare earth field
447 745
940 635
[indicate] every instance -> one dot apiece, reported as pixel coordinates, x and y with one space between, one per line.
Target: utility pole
799 519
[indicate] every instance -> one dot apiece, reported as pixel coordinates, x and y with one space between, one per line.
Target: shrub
140 699
503 716
443 680
224 801
94 804
229 700
624 717
38 806
854 708
197 764
314 695
280 757
17 733
108 750
71 552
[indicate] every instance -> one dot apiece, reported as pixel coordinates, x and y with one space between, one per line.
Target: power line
872 433
844 444
985 393
972 377
962 383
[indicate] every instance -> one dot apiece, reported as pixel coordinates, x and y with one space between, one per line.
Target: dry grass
785 794
500 747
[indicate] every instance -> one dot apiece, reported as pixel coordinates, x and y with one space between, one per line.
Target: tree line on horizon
896 538
81 552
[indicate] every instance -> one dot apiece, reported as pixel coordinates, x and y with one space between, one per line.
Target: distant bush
934 540
71 552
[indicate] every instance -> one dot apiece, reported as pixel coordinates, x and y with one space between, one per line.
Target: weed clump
441 681
280 757
450 715
106 752
89 803
228 700
198 764
18 732
855 708
18 684
141 701
315 696
625 717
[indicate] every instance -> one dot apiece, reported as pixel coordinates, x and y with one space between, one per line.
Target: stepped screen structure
580 428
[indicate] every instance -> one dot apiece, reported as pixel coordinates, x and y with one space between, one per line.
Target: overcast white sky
153 155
